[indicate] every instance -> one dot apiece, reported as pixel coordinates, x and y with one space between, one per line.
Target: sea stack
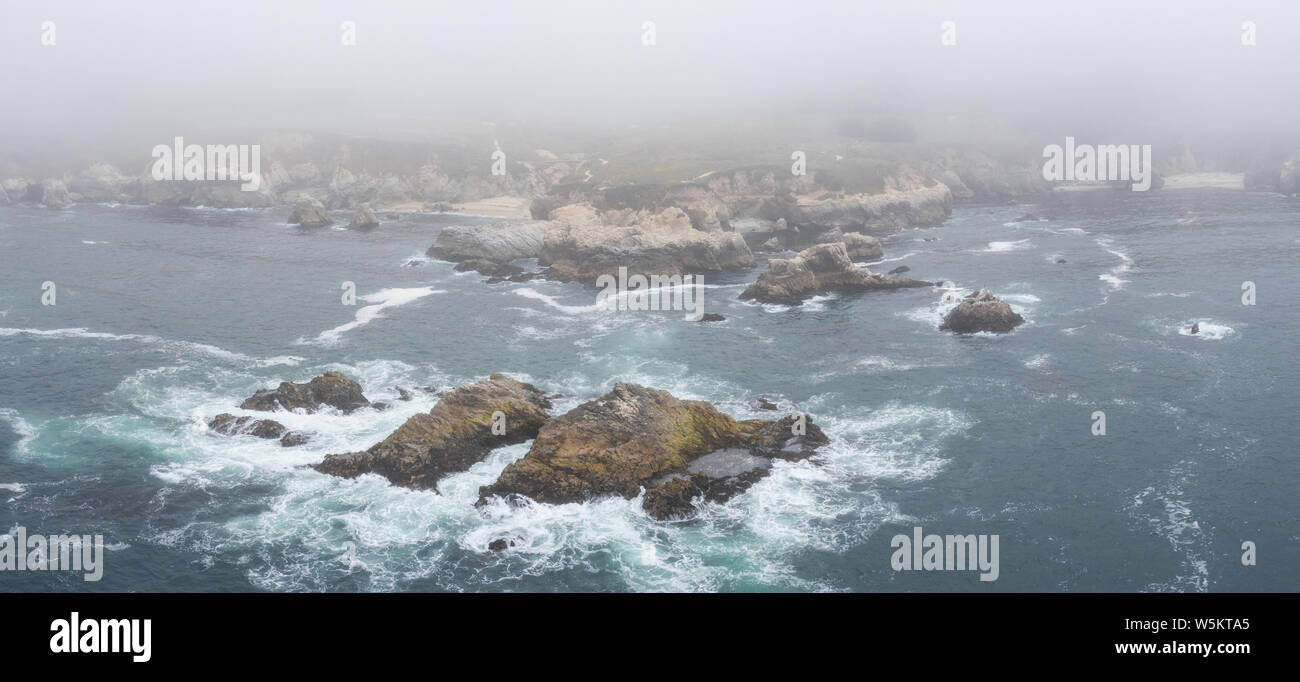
981 312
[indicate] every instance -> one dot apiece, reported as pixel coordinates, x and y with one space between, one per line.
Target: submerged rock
1196 328
636 437
713 317
456 434
818 270
229 425
294 438
981 312
331 388
900 270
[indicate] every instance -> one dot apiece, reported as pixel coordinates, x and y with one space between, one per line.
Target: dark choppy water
166 317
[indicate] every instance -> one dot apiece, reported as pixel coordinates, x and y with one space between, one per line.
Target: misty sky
169 68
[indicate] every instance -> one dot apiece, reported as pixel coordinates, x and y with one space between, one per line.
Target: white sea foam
1002 247
26 432
382 300
1164 510
183 348
529 292
1208 329
1038 361
1115 276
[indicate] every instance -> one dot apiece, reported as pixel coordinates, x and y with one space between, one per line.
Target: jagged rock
582 244
54 194
331 388
886 212
1196 328
362 218
981 312
818 270
453 436
502 544
310 212
99 182
636 437
403 394
706 211
15 188
862 247
712 317
229 425
765 404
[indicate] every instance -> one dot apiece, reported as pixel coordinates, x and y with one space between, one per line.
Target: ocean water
168 316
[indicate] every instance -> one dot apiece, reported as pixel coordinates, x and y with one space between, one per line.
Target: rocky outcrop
331 388
861 247
981 312
635 438
581 244
100 182
496 243
456 434
879 213
363 218
310 212
229 425
54 194
818 270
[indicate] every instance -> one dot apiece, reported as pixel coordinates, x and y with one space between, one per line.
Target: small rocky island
818 270
631 439
981 312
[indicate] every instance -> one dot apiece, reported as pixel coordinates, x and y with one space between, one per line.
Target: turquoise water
168 316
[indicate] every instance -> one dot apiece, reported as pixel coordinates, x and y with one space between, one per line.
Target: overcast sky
170 67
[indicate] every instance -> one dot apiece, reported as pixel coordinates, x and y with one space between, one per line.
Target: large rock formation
331 388
581 244
456 434
860 247
818 270
54 194
310 212
981 312
494 243
880 213
363 218
636 437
